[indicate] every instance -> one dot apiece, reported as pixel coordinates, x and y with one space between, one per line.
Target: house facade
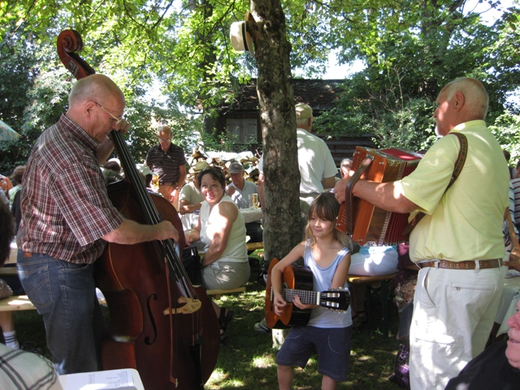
241 119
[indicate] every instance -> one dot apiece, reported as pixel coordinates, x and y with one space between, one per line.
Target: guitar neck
307 297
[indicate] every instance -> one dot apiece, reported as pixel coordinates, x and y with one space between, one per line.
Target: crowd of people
455 251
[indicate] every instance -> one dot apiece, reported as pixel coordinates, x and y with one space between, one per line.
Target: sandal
224 319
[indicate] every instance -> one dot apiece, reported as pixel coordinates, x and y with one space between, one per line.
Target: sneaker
261 327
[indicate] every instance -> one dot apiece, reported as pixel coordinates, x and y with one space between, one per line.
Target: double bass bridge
190 306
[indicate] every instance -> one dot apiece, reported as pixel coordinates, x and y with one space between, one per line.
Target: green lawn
246 359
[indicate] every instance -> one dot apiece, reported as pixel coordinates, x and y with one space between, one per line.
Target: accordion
365 223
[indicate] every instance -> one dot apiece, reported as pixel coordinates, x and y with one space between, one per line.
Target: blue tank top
322 280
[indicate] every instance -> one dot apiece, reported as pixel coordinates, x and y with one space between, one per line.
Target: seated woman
221 228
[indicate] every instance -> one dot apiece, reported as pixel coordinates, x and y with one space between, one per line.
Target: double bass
159 323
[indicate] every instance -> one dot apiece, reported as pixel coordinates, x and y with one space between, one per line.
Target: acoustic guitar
297 280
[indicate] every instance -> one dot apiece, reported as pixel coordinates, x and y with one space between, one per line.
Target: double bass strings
167 247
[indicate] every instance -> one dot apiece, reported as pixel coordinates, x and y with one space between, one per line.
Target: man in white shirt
317 167
315 162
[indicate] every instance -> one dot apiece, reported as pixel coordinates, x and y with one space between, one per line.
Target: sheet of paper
101 380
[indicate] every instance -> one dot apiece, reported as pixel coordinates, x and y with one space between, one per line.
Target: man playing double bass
67 219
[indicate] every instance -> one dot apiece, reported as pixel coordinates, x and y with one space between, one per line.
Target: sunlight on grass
365 358
263 362
251 301
218 378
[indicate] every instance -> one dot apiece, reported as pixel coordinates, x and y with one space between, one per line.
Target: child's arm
341 274
277 272
339 279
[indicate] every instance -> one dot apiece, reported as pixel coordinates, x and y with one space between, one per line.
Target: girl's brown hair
326 207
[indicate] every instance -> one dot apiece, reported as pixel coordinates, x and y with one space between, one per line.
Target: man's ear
458 101
88 107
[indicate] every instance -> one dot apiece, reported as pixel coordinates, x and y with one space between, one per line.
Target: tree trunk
278 122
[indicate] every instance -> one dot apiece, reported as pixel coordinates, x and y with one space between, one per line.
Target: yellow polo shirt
465 223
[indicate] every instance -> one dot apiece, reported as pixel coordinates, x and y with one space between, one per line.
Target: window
242 131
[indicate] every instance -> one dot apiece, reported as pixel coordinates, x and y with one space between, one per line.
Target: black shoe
224 319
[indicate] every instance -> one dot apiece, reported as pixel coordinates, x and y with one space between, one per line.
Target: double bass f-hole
160 324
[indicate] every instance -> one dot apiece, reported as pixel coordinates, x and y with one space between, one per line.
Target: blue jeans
65 296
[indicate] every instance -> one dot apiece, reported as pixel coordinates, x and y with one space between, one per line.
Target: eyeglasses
164 139
117 119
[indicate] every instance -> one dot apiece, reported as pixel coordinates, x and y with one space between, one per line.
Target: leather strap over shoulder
457 168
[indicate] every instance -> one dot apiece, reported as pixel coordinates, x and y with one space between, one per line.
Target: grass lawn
247 360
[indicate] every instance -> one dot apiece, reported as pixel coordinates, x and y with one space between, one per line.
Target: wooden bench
382 281
16 302
253 246
8 271
22 302
219 293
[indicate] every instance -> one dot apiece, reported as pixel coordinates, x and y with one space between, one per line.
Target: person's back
315 162
316 165
25 370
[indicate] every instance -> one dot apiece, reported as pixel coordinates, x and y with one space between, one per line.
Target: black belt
470 264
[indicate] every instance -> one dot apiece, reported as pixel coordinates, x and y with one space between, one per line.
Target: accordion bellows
367 224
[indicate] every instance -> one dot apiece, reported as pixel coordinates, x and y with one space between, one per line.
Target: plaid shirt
166 165
65 206
20 370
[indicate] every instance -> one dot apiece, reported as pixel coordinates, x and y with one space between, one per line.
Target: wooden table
251 214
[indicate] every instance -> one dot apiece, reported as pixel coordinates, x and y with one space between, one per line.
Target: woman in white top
222 229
